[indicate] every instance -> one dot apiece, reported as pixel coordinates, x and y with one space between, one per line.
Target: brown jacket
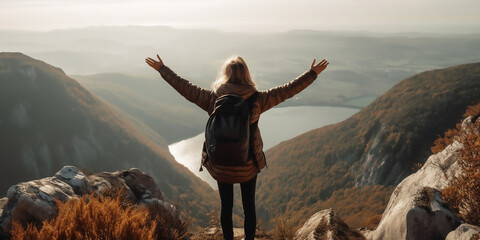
265 100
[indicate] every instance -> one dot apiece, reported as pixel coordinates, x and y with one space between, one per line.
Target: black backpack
227 134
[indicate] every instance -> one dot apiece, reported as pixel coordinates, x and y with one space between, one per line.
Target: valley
361 128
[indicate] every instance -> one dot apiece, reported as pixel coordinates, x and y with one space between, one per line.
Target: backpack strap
253 126
250 100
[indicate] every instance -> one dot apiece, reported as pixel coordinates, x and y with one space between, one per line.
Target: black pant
248 200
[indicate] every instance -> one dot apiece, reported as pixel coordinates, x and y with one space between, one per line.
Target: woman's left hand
153 63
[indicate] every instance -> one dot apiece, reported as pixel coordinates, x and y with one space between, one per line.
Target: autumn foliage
450 135
447 139
104 217
282 229
463 196
383 143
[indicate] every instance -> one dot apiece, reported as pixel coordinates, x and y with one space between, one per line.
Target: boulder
326 225
141 184
415 209
35 201
464 232
429 218
3 203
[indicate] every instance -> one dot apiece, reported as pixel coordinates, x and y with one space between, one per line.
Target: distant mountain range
352 165
48 120
362 65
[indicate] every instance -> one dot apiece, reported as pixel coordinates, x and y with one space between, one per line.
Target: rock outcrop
464 232
35 201
326 225
416 209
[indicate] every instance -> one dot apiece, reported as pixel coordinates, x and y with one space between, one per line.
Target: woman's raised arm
276 95
203 98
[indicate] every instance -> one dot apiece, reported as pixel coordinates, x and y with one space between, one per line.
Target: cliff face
380 145
409 117
416 209
48 120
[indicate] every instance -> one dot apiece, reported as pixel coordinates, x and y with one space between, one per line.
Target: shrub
214 216
447 139
104 217
282 230
450 135
168 226
463 196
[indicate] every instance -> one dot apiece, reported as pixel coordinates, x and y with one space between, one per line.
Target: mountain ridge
149 101
380 145
49 120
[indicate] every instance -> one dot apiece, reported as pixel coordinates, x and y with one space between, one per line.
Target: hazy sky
444 16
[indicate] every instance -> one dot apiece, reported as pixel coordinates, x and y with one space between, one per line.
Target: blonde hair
234 70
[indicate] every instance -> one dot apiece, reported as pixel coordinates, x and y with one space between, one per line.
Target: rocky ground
34 201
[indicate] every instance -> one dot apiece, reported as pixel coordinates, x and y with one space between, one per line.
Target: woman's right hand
153 63
318 68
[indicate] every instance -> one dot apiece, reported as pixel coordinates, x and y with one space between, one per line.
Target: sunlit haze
433 16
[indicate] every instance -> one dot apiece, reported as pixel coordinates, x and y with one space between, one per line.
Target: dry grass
283 229
103 217
214 216
476 237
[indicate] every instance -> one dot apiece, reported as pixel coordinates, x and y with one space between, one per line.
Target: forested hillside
353 165
148 101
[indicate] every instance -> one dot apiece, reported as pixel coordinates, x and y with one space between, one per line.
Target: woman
235 79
